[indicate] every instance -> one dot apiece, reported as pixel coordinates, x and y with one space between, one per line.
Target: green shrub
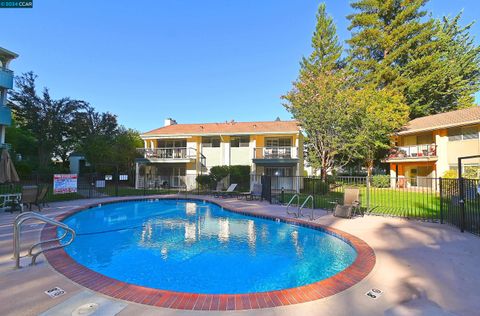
381 181
219 172
450 174
240 175
205 181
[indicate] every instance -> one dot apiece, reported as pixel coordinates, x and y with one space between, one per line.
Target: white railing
285 152
169 153
162 182
416 151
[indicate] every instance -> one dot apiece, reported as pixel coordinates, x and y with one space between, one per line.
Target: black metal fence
460 203
451 201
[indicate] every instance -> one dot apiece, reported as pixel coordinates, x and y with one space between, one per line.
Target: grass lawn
384 201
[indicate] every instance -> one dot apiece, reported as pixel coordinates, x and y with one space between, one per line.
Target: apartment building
429 146
6 83
175 153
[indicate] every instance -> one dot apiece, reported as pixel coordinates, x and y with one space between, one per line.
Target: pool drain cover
374 293
85 309
55 292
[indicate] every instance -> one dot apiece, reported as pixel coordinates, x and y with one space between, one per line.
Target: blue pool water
193 246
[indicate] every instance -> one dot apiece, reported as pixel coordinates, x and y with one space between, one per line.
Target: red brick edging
95 281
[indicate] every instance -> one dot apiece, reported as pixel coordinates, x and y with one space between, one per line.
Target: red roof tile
443 120
226 128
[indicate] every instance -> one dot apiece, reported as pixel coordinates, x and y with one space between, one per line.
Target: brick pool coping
95 281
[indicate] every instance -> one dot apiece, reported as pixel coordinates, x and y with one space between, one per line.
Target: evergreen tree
459 77
395 45
317 100
326 48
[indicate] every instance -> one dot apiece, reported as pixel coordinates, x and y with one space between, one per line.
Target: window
465 133
279 171
211 141
171 143
425 139
470 133
278 142
239 141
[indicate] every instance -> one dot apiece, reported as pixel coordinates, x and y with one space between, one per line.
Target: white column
2 134
137 174
226 153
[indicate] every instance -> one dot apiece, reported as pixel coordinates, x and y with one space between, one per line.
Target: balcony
5 115
424 152
6 78
171 154
275 154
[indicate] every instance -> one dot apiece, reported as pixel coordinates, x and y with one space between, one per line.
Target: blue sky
195 61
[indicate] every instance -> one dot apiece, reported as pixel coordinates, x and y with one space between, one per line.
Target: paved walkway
422 268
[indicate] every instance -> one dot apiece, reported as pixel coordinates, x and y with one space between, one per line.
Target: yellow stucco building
429 146
175 153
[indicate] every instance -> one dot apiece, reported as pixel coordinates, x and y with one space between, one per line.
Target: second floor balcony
275 153
6 78
416 152
173 154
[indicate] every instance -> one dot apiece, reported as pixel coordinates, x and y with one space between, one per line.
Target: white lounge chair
229 192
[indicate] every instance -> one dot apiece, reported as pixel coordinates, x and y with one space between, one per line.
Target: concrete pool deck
422 269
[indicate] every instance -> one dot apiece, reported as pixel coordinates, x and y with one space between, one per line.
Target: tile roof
226 128
443 120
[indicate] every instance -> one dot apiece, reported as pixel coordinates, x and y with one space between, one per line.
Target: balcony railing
6 78
413 152
275 153
169 153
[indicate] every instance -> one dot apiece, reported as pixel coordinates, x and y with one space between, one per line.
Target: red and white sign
64 183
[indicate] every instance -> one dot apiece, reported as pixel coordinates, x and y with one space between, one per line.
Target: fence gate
460 203
267 188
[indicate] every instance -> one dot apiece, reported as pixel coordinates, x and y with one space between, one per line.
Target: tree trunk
44 157
369 167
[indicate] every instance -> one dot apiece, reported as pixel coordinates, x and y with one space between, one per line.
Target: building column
2 134
393 176
137 175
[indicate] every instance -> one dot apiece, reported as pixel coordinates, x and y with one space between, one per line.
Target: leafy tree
48 119
379 113
394 45
23 141
323 108
125 147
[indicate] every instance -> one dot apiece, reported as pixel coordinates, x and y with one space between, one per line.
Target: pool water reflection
197 247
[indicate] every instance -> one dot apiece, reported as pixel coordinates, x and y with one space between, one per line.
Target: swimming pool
197 247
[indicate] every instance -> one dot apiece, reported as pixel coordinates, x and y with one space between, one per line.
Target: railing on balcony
416 151
275 153
169 153
6 78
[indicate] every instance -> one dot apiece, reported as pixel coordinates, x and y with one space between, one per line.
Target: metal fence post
116 182
441 199
462 203
367 192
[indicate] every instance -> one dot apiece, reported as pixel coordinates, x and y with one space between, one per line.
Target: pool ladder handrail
309 198
290 203
20 219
